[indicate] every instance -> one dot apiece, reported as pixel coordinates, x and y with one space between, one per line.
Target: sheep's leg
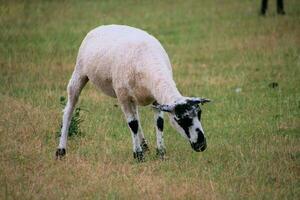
159 126
144 144
75 86
132 117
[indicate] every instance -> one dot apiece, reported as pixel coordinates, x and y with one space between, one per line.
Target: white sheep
129 64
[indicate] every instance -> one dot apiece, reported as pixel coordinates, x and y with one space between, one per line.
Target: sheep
131 65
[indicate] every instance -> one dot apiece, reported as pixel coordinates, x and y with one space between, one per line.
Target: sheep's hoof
161 153
144 146
139 156
60 153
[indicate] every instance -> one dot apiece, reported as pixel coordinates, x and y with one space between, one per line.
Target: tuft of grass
76 120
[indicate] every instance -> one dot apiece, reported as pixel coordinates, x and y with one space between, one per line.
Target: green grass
215 47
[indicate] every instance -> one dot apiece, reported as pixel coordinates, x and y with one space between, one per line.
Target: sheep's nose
203 147
199 146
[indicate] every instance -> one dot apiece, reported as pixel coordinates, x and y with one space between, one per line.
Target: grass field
222 50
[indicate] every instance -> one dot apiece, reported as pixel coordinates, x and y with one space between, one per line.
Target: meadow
247 64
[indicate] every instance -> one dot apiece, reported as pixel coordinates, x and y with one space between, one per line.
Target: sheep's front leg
159 126
131 114
143 141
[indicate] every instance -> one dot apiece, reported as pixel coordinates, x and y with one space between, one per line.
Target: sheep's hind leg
159 126
131 114
75 86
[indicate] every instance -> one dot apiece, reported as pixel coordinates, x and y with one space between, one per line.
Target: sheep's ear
197 100
164 108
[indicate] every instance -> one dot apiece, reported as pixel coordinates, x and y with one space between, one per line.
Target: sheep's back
117 56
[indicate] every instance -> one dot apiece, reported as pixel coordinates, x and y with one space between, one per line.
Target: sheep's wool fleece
127 63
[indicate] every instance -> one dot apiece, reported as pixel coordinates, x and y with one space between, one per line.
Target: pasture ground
222 50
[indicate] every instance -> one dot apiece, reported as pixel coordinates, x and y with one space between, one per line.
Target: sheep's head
185 117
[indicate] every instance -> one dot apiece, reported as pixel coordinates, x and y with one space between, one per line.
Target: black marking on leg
144 145
160 123
134 126
139 156
60 153
161 153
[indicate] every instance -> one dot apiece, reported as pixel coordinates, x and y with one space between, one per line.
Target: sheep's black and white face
185 118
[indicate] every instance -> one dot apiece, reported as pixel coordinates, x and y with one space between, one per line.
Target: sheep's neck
165 91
